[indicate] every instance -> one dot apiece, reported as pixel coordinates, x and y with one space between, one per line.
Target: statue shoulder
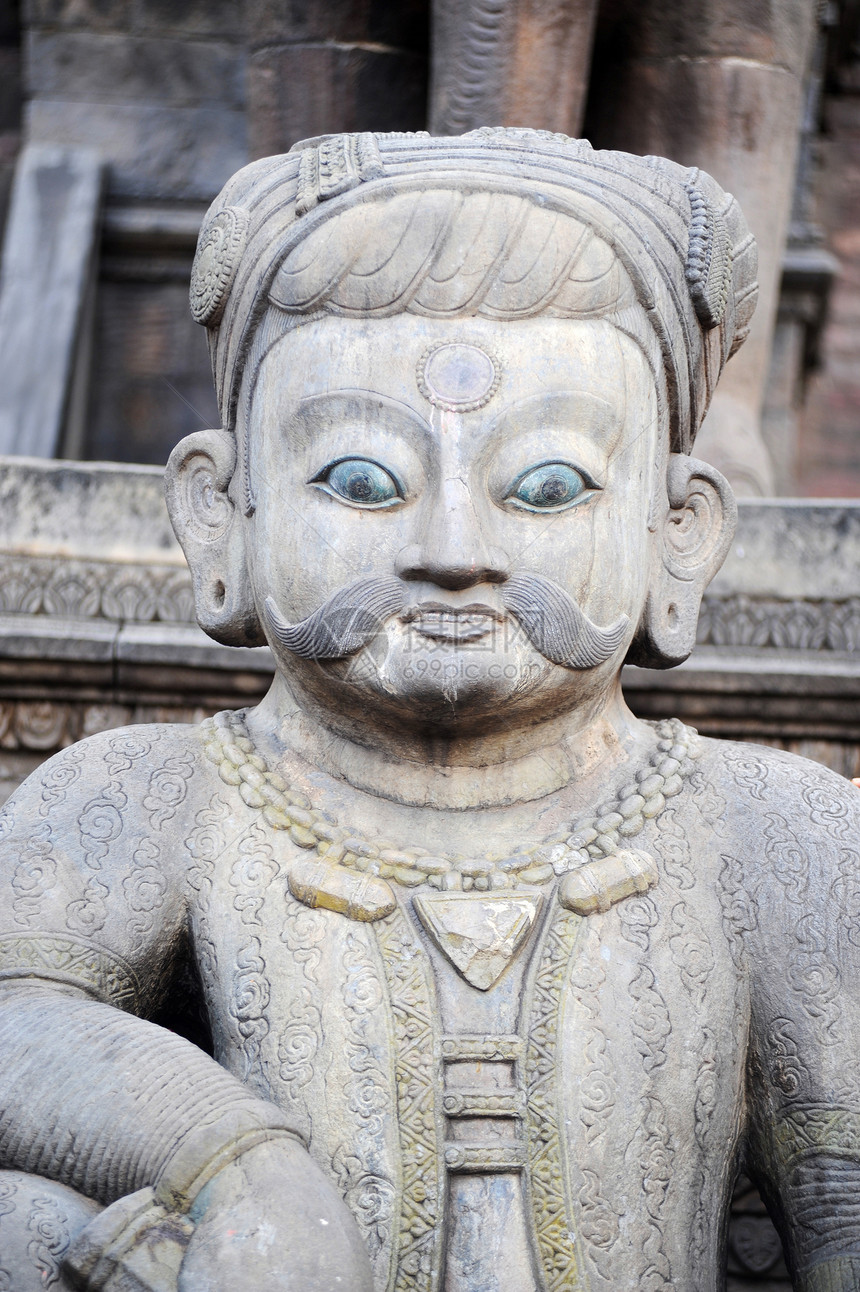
125 755
789 892
758 781
93 867
143 777
793 824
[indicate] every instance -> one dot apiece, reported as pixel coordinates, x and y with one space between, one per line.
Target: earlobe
196 483
692 544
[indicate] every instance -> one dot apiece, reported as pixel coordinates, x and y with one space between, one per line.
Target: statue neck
573 755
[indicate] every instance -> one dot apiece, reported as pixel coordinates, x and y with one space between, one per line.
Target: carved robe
576 1126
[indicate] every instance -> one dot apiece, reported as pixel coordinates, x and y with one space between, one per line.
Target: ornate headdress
649 244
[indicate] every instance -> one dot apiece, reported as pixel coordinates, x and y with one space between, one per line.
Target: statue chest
568 1125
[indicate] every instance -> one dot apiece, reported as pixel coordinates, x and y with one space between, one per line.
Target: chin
447 683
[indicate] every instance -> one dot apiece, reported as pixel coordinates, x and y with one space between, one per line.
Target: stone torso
581 1120
472 1131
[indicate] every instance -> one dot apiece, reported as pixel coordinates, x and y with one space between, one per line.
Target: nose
453 553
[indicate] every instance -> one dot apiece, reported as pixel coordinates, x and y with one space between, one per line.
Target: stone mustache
355 615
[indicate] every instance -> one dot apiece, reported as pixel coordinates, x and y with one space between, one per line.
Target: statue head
460 380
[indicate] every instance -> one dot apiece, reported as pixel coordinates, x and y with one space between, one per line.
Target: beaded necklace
594 835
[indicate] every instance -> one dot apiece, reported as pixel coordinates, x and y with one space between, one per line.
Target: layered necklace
588 847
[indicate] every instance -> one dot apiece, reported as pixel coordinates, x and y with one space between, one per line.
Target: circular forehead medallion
458 376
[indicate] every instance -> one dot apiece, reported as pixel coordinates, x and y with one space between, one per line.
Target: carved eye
550 487
361 482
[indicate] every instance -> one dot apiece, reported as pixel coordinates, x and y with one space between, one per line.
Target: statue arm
108 1103
97 863
113 1106
93 914
804 962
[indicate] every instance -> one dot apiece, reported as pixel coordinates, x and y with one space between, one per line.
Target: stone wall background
829 440
176 94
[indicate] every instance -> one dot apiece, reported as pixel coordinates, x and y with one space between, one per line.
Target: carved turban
500 222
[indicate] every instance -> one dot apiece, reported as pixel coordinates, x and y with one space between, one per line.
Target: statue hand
132 1243
271 1222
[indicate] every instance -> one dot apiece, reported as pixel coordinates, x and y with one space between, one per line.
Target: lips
452 623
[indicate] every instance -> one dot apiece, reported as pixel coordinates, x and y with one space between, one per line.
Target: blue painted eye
549 486
360 481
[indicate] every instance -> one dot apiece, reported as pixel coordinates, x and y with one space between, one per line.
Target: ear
692 541
196 482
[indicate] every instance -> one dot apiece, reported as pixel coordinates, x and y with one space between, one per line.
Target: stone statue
500 984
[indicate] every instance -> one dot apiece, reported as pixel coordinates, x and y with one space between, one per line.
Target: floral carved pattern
693 957
560 1257
651 1028
145 888
168 787
50 1229
812 973
252 874
805 1131
370 1193
8 1190
205 844
34 876
418 1078
72 960
770 622
302 1037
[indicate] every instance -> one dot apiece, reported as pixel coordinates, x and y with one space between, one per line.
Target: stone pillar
510 63
718 84
327 67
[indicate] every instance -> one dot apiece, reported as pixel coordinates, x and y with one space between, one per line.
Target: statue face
451 457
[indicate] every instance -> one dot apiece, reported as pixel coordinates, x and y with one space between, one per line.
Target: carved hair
442 253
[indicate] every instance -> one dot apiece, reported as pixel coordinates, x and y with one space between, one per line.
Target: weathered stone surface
219 18
372 22
101 68
300 91
94 511
794 549
154 151
500 981
718 86
48 262
479 935
524 63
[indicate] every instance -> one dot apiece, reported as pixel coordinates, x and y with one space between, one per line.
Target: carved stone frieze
561 1259
417 1075
45 726
796 624
76 589
71 960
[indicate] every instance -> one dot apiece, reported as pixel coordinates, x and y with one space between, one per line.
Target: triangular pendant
480 933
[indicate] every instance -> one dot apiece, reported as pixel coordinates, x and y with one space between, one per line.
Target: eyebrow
392 411
557 401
